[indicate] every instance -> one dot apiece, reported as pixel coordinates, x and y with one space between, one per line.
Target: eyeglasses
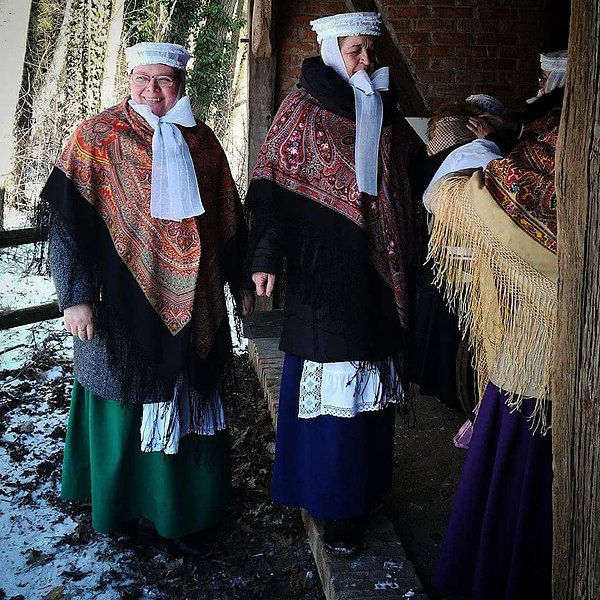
163 81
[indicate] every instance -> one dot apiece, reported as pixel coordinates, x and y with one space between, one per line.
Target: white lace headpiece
344 24
156 53
556 64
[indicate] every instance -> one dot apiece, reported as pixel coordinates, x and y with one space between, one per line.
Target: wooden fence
31 314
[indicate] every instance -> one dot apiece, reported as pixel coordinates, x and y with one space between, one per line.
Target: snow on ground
40 557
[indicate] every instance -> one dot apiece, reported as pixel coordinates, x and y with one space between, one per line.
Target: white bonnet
347 24
156 53
554 61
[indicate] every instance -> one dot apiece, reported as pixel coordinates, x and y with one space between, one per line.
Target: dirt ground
260 551
427 468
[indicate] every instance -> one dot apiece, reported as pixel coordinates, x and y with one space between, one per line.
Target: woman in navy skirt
346 224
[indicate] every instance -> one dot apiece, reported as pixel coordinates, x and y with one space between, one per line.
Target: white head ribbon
368 107
174 193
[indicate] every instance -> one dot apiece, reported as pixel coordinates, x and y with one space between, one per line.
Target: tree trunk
576 410
111 59
14 24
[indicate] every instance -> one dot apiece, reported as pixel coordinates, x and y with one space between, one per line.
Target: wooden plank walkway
381 570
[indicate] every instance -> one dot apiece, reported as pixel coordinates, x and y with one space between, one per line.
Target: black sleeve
266 248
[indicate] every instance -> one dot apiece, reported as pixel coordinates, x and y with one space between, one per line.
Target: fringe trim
506 308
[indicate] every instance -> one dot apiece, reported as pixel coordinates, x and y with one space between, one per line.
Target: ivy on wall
87 36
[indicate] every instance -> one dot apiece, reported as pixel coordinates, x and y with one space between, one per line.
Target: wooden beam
17 237
261 87
260 35
261 92
411 100
576 389
26 316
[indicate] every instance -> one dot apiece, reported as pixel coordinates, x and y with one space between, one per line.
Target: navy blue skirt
498 545
334 467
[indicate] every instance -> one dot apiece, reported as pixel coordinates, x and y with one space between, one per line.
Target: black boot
342 537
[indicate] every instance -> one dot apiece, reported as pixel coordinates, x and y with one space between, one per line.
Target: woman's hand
79 321
244 303
264 282
481 126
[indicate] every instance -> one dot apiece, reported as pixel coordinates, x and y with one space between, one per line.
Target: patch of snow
36 560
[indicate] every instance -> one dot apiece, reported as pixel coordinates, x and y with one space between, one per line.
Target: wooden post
576 409
411 100
261 78
261 88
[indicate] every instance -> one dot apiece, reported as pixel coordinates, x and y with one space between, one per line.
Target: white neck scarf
174 193
369 113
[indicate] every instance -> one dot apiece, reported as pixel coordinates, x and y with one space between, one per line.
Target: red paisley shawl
310 151
109 160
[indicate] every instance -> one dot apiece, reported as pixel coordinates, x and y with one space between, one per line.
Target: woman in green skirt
146 227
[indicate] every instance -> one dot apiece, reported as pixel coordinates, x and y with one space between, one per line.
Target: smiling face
155 92
358 54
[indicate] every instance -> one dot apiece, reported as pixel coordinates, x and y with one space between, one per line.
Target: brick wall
455 47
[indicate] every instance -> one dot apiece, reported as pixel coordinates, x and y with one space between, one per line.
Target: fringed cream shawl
502 284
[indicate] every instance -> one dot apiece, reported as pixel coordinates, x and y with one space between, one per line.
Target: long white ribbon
369 113
174 192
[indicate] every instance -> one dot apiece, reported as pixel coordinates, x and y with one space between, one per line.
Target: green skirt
180 493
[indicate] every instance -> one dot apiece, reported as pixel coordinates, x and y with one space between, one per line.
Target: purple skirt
498 545
334 467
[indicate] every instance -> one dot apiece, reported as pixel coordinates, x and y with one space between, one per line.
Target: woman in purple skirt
498 545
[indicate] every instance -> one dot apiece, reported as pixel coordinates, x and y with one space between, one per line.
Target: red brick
445 12
497 39
420 38
442 64
470 77
471 51
433 25
496 64
435 76
471 26
321 8
452 38
408 12
302 47
432 51
401 25
496 14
